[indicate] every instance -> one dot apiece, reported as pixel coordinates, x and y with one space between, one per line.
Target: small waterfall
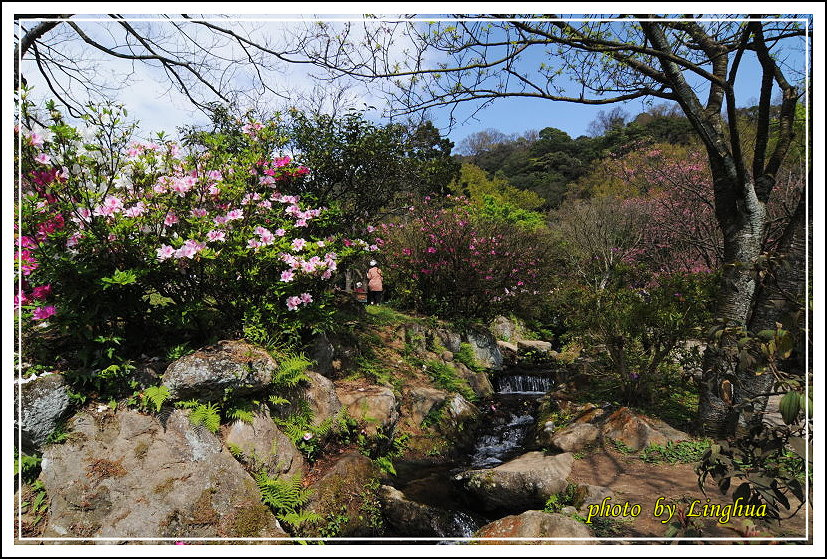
501 440
523 384
459 525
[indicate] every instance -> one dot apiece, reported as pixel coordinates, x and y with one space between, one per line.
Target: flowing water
504 426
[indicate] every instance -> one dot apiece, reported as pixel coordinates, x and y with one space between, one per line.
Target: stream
506 421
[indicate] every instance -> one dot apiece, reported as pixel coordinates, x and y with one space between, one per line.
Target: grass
684 452
445 377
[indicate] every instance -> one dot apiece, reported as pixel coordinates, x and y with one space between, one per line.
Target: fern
291 370
294 431
206 415
156 395
188 404
278 400
284 496
241 413
296 519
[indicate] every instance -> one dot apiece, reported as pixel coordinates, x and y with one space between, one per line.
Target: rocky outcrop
45 403
211 372
421 339
260 445
477 380
535 524
485 348
318 393
374 406
418 520
638 431
126 474
520 484
574 438
345 492
505 329
509 352
536 346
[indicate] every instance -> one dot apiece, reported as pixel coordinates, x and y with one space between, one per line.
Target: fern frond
206 415
291 370
284 496
296 519
188 404
157 395
242 414
278 400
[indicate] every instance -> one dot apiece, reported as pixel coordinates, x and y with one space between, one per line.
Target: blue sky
147 100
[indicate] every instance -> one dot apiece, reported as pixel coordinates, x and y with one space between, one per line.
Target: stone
44 403
537 346
375 406
323 354
345 490
535 524
485 348
210 372
504 329
414 519
638 431
477 380
263 446
447 356
421 400
523 483
509 352
318 392
575 437
592 495
128 475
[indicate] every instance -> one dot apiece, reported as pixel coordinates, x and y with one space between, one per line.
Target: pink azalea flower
43 158
298 244
306 298
213 190
220 220
280 232
72 240
20 299
170 219
42 313
165 252
287 276
215 175
267 238
135 211
198 212
253 243
42 291
301 223
216 235
235 214
293 303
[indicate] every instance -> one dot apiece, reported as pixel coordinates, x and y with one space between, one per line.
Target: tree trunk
742 218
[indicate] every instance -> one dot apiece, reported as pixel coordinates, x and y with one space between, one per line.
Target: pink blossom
213 190
287 275
301 223
293 303
253 243
41 313
170 219
215 175
235 214
73 240
320 244
431 250
35 139
198 212
298 244
280 232
216 235
42 291
27 242
165 252
20 299
220 220
306 298
135 211
281 161
43 158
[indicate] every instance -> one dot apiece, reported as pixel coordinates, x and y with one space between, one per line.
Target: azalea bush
446 260
137 241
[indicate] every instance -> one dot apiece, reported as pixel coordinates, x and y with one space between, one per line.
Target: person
361 296
374 284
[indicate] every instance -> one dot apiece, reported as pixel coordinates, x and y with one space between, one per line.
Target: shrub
450 262
132 240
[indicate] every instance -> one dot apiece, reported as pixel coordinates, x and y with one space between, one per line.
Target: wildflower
42 313
198 212
216 235
293 303
43 158
253 243
170 219
307 436
298 244
287 275
135 211
306 298
235 214
42 291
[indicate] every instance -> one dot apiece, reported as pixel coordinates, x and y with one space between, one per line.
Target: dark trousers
375 297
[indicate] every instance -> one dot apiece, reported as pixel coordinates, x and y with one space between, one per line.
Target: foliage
208 415
156 396
286 497
465 355
447 262
26 465
446 377
558 501
124 239
382 449
365 167
683 451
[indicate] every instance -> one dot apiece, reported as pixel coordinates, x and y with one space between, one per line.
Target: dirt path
634 481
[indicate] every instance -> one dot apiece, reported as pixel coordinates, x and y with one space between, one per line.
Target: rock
126 474
591 495
485 348
535 524
262 445
447 356
537 346
451 340
418 520
520 484
509 352
228 365
345 491
421 401
44 403
478 381
638 431
505 329
575 437
376 406
323 354
318 392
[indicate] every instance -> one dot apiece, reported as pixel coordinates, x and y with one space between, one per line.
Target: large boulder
505 329
535 524
638 431
485 348
44 403
536 346
477 380
345 492
211 372
375 406
574 437
126 474
318 393
509 352
409 518
520 484
260 445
